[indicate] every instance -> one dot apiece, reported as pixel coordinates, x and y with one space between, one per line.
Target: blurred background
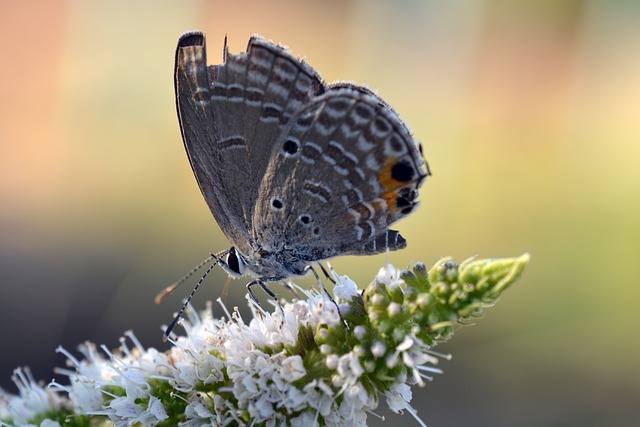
529 116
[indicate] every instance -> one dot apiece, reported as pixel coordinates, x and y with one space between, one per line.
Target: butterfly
293 169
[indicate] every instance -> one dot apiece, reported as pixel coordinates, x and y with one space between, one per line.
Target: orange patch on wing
391 198
386 179
390 185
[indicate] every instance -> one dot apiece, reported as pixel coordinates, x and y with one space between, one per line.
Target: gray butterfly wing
231 115
200 134
341 173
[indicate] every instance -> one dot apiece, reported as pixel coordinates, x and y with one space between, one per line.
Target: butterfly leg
291 289
262 282
311 269
326 273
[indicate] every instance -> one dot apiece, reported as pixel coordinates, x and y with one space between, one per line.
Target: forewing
201 135
254 96
231 115
342 172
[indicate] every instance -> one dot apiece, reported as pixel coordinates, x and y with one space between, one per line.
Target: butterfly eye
235 261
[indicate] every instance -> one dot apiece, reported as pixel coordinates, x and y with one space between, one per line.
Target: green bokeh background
529 116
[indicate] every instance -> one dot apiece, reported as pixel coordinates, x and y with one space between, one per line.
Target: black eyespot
409 194
402 171
316 231
232 261
305 219
401 202
277 203
407 211
291 146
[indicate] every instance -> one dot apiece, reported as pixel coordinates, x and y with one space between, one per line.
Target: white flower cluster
314 362
95 379
263 384
225 372
32 401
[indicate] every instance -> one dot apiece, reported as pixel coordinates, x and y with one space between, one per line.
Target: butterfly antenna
186 303
426 164
169 289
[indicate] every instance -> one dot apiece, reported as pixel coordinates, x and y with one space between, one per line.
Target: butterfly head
235 264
